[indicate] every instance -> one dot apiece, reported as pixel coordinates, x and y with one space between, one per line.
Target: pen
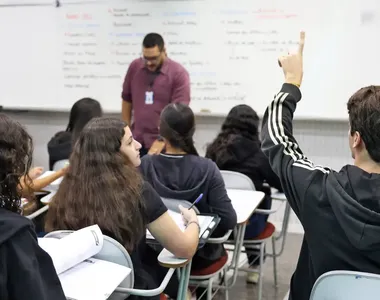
196 201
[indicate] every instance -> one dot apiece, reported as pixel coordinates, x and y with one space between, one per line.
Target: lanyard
152 77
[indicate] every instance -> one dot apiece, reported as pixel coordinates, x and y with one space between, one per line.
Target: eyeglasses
153 60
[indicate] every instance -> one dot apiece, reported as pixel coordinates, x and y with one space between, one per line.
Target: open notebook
205 222
83 277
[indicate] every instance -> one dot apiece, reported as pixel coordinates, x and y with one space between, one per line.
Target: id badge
149 97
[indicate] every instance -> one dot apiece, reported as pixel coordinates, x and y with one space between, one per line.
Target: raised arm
295 170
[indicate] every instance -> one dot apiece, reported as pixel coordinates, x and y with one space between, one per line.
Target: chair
218 268
58 165
235 180
346 285
113 251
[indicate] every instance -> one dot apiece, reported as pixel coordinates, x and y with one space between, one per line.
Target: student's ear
356 140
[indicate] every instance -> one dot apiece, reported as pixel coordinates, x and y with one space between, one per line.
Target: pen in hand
196 201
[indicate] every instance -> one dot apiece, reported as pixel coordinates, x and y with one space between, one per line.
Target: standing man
152 82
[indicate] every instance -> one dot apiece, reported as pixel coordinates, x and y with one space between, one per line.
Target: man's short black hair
364 115
153 39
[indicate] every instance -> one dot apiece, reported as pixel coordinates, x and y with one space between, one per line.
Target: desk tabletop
168 260
47 198
245 203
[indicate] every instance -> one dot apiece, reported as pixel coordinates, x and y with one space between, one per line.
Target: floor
285 266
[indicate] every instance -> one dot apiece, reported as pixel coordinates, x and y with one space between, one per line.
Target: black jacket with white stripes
340 211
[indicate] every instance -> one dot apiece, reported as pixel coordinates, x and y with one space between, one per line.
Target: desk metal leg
237 251
184 282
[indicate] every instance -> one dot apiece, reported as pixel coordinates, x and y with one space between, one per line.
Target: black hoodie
26 271
340 211
185 177
59 147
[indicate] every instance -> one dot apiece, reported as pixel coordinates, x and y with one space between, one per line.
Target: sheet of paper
92 279
73 248
204 222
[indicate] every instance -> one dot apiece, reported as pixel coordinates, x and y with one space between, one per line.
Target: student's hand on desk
188 215
292 64
35 172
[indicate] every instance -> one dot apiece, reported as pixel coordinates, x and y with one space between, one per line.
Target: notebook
82 276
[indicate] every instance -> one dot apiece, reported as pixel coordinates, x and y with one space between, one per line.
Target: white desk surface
245 203
168 260
47 198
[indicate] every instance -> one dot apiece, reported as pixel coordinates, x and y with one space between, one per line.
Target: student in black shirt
238 148
102 186
339 211
26 271
60 145
180 173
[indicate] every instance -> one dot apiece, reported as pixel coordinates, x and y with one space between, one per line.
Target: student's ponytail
177 126
187 145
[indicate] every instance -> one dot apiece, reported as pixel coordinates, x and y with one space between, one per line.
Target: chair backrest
173 204
112 251
237 181
346 285
58 165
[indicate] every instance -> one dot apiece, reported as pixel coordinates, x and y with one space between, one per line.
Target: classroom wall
323 142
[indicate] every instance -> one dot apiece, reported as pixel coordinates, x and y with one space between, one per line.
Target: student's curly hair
243 121
16 149
364 116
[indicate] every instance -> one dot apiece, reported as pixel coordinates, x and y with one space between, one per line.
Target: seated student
182 174
238 148
339 211
26 271
60 145
102 186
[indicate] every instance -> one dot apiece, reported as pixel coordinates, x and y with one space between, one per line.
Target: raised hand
292 64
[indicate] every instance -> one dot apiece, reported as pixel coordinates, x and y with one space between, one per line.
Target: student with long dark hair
26 271
237 148
82 111
180 173
102 186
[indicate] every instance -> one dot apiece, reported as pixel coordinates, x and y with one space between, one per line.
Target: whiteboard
230 49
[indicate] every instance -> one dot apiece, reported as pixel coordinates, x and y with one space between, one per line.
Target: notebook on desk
82 276
207 224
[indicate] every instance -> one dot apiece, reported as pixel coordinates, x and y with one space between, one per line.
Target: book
204 223
82 276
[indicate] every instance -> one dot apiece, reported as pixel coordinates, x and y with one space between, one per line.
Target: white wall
323 142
